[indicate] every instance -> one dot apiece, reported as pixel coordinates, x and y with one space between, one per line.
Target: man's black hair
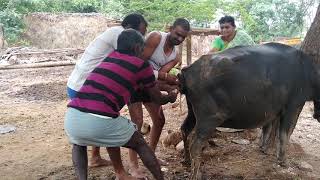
227 19
127 41
133 21
182 23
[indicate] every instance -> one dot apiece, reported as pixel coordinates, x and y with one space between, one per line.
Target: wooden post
1 36
189 55
180 56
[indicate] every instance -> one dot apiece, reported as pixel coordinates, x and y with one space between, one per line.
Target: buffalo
247 87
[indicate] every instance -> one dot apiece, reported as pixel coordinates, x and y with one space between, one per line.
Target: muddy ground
34 100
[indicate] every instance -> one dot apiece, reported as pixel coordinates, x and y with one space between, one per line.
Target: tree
162 12
265 20
262 19
311 45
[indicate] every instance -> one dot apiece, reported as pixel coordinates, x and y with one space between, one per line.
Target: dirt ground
34 101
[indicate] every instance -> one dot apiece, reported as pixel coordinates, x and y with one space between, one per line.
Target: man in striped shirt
93 117
94 54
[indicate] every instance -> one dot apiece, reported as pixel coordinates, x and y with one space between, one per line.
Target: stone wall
65 30
77 30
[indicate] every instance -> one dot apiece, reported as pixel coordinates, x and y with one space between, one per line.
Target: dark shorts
140 96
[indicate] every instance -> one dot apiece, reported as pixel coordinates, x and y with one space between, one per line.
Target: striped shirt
111 84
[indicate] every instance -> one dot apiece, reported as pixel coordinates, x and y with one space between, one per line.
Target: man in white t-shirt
97 50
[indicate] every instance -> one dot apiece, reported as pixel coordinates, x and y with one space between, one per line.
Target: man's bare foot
162 162
137 173
125 177
98 162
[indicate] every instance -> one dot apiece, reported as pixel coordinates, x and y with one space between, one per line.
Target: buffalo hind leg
186 129
287 125
195 153
266 132
269 134
204 128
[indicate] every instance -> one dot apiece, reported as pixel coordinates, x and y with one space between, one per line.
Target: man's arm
151 44
213 50
146 79
167 67
159 98
165 76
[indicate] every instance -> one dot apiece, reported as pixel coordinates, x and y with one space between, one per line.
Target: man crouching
93 118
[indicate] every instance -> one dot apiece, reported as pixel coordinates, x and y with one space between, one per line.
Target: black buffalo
247 87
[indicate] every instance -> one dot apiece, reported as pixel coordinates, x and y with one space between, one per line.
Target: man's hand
169 78
172 95
172 79
164 86
163 98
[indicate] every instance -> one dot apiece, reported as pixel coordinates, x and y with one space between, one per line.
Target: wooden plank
56 51
36 65
204 31
200 31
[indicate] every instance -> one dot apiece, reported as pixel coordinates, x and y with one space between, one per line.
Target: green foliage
12 11
163 12
75 6
13 24
84 6
262 19
3 4
266 20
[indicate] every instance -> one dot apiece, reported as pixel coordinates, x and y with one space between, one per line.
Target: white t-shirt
94 54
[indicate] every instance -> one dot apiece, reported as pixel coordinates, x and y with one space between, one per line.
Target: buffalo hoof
283 163
264 149
197 176
186 163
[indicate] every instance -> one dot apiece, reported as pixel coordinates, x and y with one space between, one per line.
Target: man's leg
136 115
96 159
115 156
158 121
147 156
80 161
